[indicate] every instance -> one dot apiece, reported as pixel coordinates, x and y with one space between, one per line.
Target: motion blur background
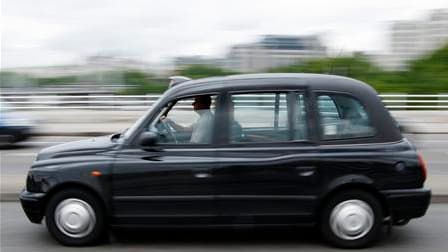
79 68
72 69
130 47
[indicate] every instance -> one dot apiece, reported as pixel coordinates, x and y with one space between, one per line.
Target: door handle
306 171
202 175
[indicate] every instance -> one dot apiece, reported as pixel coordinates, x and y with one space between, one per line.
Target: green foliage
202 71
135 78
431 71
55 80
426 75
346 66
142 83
11 79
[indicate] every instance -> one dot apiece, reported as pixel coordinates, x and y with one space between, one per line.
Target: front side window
343 117
263 117
186 121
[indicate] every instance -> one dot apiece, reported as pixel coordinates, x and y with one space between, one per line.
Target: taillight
422 166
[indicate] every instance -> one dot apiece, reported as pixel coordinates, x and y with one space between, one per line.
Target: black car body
364 176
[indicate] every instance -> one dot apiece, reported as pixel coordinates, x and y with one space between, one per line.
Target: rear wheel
352 219
75 217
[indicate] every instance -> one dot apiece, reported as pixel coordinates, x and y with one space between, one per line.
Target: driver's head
202 102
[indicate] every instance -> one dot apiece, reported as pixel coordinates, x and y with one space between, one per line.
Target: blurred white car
13 127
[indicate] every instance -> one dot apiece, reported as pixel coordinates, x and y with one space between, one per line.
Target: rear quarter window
343 117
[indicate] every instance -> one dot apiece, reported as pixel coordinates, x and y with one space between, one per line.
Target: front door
169 183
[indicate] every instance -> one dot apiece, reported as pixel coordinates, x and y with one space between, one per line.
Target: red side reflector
422 166
96 173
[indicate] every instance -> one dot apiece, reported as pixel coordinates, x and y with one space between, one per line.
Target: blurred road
424 234
14 163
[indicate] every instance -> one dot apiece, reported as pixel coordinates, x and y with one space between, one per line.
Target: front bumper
33 205
408 203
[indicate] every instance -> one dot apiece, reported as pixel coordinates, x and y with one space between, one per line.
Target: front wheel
74 217
352 219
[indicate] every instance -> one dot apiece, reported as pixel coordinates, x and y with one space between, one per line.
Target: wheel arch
348 186
76 185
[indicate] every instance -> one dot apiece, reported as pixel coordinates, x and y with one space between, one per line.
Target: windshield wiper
117 136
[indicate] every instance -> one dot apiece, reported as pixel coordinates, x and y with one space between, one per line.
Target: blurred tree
357 66
12 79
426 75
431 72
202 71
55 80
143 83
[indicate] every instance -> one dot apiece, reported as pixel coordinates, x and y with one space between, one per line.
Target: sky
60 32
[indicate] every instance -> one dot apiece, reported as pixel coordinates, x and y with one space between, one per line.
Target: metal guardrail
140 102
415 101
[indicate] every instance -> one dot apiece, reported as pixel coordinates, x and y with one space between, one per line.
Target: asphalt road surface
425 234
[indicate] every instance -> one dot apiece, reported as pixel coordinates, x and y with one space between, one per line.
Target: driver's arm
176 126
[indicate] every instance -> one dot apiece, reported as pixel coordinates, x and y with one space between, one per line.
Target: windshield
136 125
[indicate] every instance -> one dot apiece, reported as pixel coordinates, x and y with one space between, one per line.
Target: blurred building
274 51
182 62
105 72
412 39
91 65
270 51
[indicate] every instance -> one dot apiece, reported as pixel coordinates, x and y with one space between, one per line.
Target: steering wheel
167 129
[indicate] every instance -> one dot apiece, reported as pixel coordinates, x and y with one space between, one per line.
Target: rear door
267 171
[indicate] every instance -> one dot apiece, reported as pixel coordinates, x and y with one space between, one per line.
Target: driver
201 130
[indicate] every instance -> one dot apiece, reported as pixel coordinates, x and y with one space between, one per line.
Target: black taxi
256 149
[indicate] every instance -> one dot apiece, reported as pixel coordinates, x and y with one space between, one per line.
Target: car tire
75 217
351 219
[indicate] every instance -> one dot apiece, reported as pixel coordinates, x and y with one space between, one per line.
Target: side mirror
148 139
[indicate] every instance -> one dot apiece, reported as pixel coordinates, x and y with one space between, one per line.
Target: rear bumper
33 205
409 203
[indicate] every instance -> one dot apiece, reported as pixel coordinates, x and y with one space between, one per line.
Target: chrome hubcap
74 218
351 219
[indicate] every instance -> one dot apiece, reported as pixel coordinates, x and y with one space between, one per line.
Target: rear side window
267 117
261 117
343 117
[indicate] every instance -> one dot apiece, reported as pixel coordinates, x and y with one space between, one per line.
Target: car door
267 172
167 184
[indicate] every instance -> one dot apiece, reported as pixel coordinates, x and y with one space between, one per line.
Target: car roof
272 81
268 82
263 76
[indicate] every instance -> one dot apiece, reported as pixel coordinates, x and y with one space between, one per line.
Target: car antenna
175 80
